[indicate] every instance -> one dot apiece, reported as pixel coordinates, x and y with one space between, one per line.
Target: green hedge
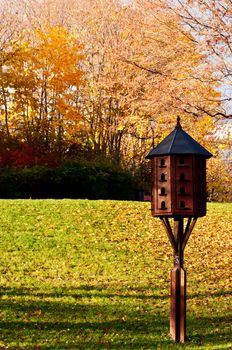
91 181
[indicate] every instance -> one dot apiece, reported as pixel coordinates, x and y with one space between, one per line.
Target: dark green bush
79 180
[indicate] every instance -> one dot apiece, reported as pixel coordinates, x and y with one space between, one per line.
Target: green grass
79 274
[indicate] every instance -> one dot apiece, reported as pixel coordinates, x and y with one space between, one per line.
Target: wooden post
174 307
182 305
178 239
178 287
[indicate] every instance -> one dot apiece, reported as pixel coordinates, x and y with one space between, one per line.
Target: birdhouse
178 176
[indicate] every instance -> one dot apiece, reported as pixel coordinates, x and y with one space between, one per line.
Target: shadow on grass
61 320
102 292
87 291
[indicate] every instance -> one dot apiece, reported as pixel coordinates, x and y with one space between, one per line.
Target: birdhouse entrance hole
163 205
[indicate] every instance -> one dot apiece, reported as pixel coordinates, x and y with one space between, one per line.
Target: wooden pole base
178 236
178 305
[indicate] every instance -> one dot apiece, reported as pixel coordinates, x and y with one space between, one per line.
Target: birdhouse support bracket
188 230
178 237
169 232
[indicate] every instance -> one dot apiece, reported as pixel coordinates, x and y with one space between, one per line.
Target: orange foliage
43 82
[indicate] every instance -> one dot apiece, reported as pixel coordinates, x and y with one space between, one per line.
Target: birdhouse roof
178 142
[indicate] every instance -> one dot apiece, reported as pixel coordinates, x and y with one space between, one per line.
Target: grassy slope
79 274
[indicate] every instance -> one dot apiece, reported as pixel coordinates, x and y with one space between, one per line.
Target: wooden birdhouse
178 192
179 176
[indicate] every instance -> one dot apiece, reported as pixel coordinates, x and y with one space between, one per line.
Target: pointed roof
178 142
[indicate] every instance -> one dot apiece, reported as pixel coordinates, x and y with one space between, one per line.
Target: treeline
92 74
98 80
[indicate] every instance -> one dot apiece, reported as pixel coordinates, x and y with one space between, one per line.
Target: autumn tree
210 22
219 180
10 50
44 81
135 72
140 63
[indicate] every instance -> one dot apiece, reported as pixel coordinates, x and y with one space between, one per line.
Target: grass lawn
78 274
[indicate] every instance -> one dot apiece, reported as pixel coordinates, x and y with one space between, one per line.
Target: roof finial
178 126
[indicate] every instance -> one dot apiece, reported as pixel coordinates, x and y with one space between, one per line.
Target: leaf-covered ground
78 274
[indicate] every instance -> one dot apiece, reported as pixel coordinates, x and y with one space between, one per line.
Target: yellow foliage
44 77
219 180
